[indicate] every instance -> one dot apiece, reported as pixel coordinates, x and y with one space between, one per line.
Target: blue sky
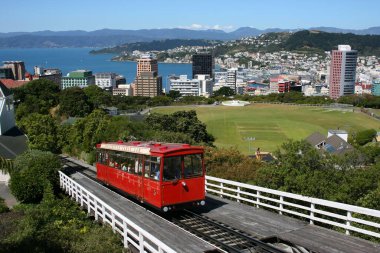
60 15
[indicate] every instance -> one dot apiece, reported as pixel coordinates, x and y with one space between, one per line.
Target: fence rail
131 233
347 217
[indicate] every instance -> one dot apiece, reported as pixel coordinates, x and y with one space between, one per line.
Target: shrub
35 172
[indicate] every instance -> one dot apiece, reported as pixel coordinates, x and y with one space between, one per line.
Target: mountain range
113 37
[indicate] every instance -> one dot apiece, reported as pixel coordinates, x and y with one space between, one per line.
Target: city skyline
25 16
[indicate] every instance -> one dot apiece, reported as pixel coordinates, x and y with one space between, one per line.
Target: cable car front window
172 168
193 165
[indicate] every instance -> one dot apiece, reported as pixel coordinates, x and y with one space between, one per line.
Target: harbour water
69 59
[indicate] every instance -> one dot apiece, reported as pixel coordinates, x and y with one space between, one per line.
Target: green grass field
272 125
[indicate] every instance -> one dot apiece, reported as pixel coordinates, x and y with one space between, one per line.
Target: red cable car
163 175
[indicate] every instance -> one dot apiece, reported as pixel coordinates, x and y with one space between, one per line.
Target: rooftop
148 147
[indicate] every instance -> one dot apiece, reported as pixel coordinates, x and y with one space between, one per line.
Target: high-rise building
18 69
231 79
342 71
146 64
148 84
78 78
203 64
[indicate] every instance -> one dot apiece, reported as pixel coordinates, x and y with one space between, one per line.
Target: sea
70 59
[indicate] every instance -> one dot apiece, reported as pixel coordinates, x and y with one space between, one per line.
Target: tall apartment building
148 84
78 78
146 64
17 67
203 64
342 71
231 80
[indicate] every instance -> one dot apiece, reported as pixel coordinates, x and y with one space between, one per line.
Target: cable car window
172 168
193 165
138 165
152 167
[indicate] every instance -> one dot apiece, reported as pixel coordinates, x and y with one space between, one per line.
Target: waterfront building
78 78
105 80
7 114
203 64
146 64
148 84
17 67
375 90
342 71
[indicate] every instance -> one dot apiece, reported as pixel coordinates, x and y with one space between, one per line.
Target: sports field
271 125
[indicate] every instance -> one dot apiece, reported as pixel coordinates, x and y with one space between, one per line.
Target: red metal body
163 175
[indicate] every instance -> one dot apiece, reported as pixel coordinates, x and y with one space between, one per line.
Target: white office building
185 86
123 90
105 80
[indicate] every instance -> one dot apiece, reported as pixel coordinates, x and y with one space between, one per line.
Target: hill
113 37
308 40
156 45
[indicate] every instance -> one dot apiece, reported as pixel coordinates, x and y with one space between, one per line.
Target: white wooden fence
347 217
131 233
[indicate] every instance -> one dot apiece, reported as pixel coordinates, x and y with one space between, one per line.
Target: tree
183 122
35 172
41 131
363 137
74 102
97 96
230 164
174 94
224 91
160 101
37 96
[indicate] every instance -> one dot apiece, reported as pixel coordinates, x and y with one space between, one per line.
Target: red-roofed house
11 84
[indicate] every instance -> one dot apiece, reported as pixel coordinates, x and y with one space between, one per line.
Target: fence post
312 208
96 209
238 194
113 221
348 222
281 204
221 190
125 234
258 199
141 242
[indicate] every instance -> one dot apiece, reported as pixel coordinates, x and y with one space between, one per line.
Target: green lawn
271 125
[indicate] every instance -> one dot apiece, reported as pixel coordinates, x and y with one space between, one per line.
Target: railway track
221 235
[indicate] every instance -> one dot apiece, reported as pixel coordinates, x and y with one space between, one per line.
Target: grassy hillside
271 125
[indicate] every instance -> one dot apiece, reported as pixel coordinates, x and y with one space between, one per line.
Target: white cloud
206 27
